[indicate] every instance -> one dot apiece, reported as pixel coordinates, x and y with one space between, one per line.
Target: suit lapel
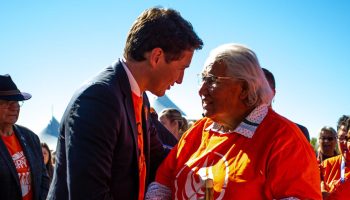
128 103
9 161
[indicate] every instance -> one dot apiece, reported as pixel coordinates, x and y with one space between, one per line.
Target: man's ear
155 56
244 91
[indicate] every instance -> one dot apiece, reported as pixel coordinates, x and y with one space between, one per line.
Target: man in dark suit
22 171
106 147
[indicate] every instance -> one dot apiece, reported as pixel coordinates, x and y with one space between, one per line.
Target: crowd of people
113 145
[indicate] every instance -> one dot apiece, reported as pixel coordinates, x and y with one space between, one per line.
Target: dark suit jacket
97 153
10 188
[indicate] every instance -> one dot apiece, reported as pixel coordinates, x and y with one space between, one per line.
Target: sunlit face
45 155
220 98
172 126
9 112
327 142
166 74
341 139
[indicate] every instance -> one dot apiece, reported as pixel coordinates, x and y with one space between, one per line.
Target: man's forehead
342 130
326 132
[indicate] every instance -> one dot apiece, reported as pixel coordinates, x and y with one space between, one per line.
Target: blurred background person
272 83
22 170
165 136
335 171
342 131
242 148
47 159
327 141
173 120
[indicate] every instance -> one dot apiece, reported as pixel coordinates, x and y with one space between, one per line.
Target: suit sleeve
91 134
157 151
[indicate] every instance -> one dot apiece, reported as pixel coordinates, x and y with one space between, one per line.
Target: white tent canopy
50 134
161 103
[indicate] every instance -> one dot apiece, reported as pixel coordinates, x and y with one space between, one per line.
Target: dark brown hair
163 28
49 166
270 78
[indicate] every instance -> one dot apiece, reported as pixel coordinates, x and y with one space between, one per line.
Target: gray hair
243 64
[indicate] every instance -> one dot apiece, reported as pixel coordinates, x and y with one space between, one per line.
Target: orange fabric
21 163
141 162
341 193
277 162
330 170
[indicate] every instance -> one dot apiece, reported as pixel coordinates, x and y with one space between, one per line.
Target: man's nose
180 78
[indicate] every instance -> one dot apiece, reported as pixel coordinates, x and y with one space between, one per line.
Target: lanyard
342 170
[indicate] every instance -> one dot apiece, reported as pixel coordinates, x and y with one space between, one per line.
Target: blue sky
51 47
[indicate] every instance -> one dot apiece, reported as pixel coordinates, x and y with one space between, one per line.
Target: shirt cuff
157 191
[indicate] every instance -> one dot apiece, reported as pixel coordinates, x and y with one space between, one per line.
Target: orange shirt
21 163
330 170
141 162
341 193
272 161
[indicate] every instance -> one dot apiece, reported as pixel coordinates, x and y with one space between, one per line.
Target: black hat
9 90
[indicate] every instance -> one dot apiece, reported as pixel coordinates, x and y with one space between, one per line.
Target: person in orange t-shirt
22 171
335 171
241 149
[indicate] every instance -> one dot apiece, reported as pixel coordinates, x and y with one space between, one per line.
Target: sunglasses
326 138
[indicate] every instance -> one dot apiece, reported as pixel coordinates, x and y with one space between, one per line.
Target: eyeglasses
211 80
8 104
326 138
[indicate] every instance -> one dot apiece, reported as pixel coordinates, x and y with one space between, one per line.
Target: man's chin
159 93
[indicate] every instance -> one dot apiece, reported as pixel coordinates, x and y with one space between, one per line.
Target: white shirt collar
133 84
248 126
